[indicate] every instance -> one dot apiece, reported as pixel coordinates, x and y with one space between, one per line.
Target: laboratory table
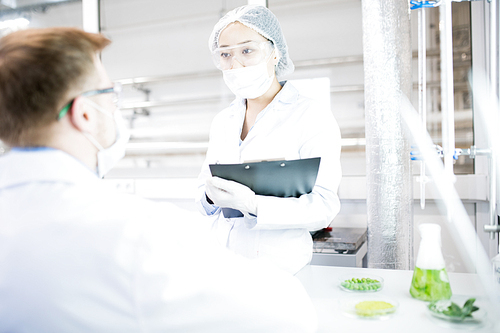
322 285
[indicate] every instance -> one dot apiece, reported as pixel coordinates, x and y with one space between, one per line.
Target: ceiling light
9 26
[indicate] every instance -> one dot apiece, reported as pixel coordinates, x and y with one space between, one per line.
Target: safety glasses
247 54
116 89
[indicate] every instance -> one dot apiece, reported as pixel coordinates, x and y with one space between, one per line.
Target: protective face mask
108 157
248 82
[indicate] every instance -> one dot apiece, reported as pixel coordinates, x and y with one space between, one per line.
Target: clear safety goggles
116 90
247 54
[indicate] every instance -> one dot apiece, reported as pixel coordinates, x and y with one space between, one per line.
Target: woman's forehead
237 33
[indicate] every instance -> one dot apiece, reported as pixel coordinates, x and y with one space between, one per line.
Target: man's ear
81 115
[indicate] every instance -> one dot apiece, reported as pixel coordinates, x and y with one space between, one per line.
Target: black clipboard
283 178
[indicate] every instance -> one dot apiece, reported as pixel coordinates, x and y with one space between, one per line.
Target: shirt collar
288 94
21 166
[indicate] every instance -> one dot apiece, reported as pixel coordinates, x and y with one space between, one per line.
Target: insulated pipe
387 69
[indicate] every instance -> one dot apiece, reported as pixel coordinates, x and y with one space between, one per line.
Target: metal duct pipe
387 69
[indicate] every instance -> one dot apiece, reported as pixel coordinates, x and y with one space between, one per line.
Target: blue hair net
263 21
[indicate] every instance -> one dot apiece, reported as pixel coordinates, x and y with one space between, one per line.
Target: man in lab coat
77 256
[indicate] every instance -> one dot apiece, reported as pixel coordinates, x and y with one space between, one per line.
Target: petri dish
478 319
369 308
361 283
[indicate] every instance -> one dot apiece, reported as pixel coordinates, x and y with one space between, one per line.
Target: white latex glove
229 194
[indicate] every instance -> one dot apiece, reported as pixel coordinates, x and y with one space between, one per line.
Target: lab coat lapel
232 135
256 144
264 124
273 112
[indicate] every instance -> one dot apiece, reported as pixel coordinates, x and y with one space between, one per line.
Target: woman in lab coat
268 120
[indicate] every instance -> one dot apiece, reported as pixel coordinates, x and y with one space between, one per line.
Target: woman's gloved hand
229 194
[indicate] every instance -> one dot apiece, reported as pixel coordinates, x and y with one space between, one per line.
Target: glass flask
430 279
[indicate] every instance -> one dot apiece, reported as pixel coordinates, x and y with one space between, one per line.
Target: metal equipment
344 247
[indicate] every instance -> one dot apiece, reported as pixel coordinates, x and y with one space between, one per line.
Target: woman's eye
225 55
247 51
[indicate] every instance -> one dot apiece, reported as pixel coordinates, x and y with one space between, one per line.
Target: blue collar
26 149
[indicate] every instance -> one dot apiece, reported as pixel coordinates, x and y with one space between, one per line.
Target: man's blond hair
38 70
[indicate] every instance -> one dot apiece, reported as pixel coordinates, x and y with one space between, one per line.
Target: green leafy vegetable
454 310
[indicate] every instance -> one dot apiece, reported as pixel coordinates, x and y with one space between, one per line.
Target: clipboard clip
247 167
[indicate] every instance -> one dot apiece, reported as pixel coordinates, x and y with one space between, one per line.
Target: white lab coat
77 256
290 127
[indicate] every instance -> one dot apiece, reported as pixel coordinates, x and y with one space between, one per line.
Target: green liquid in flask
430 284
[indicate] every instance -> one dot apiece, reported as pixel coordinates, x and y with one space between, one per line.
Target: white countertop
322 285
